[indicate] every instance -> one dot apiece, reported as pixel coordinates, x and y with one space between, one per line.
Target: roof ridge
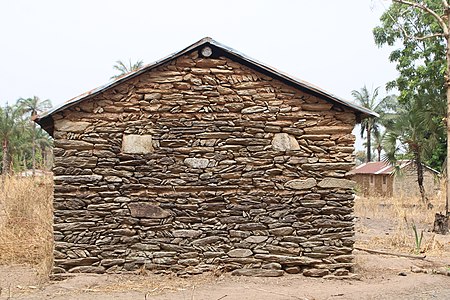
45 120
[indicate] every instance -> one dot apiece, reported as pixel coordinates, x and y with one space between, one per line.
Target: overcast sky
59 49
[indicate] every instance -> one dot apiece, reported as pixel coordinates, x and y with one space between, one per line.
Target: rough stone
258 272
288 260
336 183
315 272
112 262
282 231
196 163
256 239
272 266
71 126
146 210
293 270
284 142
253 109
301 184
186 233
87 269
240 253
137 144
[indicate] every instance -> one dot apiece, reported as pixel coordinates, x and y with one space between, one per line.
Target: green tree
411 137
124 68
33 106
421 32
371 126
378 142
10 129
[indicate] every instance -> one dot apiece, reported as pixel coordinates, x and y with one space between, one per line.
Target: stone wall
202 164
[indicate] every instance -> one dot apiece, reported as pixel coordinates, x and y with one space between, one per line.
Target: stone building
206 159
379 179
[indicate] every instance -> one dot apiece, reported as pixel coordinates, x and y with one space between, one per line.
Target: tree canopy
24 145
124 68
420 57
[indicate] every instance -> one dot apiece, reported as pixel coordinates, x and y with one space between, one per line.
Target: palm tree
33 106
10 129
378 142
412 136
385 107
125 69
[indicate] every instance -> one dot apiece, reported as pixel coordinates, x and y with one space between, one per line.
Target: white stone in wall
196 163
284 142
138 144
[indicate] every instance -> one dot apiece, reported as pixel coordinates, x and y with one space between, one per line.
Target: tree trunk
369 129
379 153
447 194
33 145
5 161
440 225
441 220
419 167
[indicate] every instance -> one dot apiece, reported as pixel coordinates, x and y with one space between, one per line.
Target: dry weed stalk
26 218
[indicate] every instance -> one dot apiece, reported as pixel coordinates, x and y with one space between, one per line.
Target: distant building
379 179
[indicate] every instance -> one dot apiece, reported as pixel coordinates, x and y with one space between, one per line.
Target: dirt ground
378 277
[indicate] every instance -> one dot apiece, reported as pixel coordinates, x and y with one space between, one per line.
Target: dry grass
395 218
26 218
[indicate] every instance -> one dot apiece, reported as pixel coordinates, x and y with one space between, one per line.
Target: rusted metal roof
46 121
377 167
383 168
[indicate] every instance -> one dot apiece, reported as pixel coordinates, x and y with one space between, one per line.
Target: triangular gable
46 120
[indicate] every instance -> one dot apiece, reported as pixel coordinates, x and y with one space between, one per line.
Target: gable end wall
236 170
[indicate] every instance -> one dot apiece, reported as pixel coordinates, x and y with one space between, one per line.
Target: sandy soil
379 277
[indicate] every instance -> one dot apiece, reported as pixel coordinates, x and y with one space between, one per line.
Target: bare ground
379 277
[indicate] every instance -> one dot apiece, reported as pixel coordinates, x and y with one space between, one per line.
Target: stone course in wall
204 164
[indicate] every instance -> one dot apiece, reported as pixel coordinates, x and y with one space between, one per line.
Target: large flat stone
258 272
330 182
187 233
288 260
84 261
137 144
300 184
240 253
88 269
146 210
71 126
256 239
77 178
316 272
253 109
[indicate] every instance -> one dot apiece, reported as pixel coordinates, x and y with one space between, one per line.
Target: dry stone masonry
203 164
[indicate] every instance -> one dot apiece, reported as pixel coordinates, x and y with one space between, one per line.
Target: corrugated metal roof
383 168
376 167
363 112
